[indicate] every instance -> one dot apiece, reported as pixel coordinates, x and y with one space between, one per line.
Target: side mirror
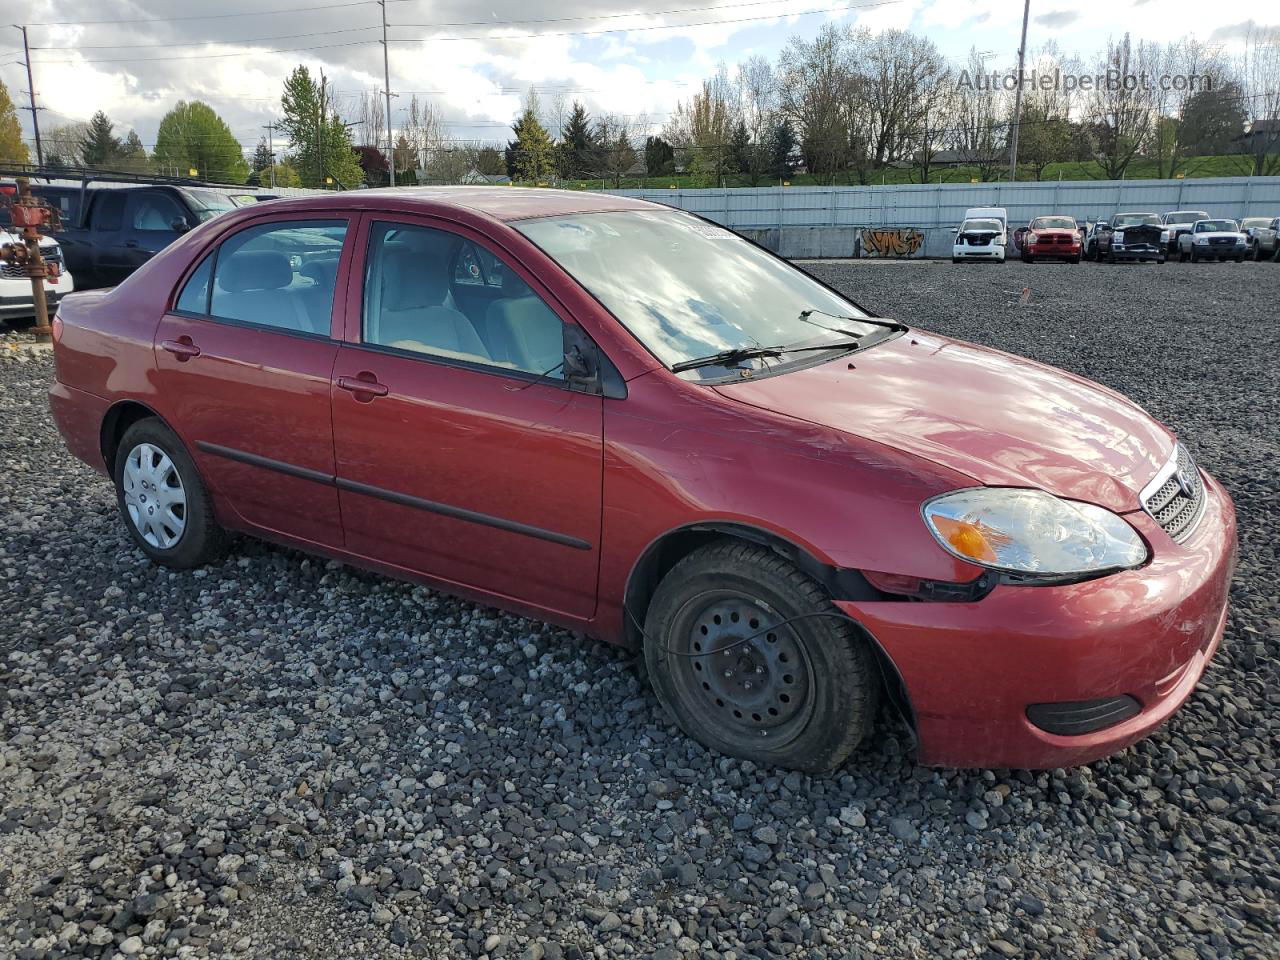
179 224
587 369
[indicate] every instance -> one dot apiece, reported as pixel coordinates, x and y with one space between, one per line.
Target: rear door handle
365 383
182 348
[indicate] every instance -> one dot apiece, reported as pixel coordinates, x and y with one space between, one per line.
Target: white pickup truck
1213 240
15 285
1263 236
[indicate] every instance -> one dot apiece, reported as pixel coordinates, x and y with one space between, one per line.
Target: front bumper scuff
970 670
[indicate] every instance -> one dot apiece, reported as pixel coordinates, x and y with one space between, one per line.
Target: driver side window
431 292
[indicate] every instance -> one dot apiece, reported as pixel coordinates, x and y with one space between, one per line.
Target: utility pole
271 148
386 88
31 95
1017 97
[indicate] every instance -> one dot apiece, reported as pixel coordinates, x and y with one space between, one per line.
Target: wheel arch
118 419
667 549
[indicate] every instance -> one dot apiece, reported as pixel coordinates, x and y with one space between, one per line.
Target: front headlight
1202 240
1118 237
1032 532
1164 236
1032 238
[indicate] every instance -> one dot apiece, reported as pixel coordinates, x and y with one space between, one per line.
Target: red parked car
1050 238
628 421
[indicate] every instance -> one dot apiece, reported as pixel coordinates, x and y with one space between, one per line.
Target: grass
1142 169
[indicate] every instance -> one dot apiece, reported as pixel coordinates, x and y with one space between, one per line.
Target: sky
476 60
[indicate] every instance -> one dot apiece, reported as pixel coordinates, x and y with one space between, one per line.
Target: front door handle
364 383
182 348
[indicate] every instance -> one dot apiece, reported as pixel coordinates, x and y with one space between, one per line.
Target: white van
983 235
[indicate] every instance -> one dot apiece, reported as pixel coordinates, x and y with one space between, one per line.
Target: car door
463 453
244 361
105 238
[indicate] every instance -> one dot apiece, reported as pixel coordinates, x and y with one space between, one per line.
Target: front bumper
971 670
15 296
992 251
1219 251
1046 250
1137 251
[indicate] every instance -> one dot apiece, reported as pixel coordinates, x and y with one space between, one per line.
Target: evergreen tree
782 144
262 157
578 145
533 149
740 148
133 155
321 142
100 147
12 149
193 137
659 157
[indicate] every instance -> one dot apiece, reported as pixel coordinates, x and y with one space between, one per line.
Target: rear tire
802 696
163 502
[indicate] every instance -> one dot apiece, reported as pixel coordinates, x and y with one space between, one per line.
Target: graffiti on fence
890 241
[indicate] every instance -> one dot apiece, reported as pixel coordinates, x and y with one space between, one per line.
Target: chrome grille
13 271
1175 498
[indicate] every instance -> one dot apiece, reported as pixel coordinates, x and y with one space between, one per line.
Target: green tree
1213 120
192 136
489 162
320 140
12 149
100 147
782 142
262 156
740 149
659 158
577 145
133 155
533 150
285 176
1043 138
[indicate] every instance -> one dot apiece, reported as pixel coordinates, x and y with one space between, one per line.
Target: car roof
498 203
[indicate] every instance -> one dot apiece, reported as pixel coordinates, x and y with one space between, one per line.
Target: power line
198 16
202 43
516 36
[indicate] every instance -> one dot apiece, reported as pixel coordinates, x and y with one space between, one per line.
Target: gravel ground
285 758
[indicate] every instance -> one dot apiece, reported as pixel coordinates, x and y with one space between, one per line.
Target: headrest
323 272
413 277
254 270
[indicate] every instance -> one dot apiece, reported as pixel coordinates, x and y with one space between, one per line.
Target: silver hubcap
154 496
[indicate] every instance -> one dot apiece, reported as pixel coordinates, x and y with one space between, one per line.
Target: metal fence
943 205
827 221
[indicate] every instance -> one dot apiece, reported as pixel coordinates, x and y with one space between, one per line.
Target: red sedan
628 421
1051 238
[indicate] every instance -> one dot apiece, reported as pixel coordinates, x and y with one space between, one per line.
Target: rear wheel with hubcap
162 500
740 675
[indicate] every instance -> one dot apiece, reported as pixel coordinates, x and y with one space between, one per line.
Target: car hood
8 236
1000 419
1053 232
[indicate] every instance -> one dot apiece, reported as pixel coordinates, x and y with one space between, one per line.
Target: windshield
1053 223
1254 222
208 203
1216 226
1137 220
982 225
1185 216
686 288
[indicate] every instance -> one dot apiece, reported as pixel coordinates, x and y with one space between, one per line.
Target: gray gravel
283 757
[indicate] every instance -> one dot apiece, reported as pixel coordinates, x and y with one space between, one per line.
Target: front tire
801 695
163 502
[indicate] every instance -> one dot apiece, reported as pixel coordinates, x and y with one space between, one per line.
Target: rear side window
108 213
279 275
155 212
195 295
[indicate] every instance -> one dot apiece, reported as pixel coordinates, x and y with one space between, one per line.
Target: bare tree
371 120
1259 73
979 133
1120 113
423 130
758 112
897 65
615 146
815 91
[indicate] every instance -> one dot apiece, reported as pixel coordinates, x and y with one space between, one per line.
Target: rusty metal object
31 214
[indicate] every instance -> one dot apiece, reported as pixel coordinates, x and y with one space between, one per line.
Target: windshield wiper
876 321
726 357
738 354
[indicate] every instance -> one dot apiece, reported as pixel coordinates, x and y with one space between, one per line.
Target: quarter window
195 295
279 275
432 292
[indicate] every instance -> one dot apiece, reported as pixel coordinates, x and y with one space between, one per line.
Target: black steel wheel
741 675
